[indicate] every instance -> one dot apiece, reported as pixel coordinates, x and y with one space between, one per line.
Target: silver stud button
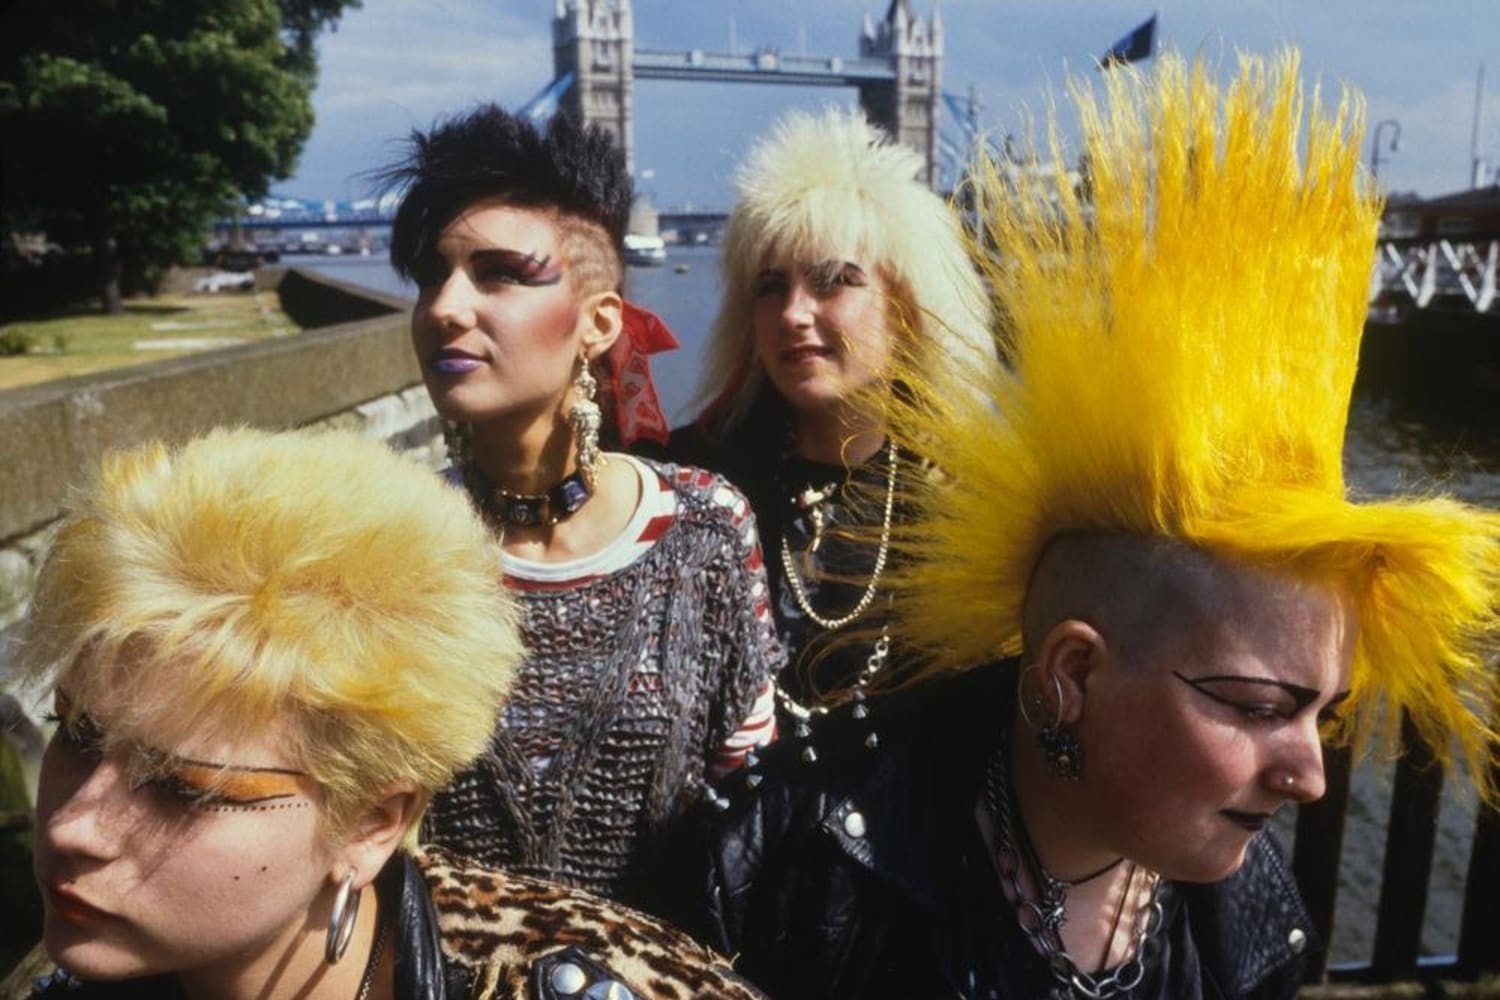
568 979
854 824
1296 940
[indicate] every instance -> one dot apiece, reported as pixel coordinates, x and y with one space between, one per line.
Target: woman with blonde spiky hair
266 653
835 254
1142 532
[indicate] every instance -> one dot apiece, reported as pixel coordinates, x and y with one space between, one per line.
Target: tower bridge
897 72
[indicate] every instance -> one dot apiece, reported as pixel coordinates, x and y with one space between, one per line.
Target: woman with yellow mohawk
835 258
258 690
1147 514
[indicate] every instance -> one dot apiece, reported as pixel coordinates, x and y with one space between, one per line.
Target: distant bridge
898 72
289 215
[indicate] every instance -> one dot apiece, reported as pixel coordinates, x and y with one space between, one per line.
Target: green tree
128 125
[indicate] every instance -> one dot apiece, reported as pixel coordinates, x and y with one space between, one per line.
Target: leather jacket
863 874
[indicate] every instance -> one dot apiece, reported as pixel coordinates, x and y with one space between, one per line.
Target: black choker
529 510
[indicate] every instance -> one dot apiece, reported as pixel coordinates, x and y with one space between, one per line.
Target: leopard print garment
504 926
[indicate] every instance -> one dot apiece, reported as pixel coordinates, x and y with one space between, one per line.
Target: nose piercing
1288 781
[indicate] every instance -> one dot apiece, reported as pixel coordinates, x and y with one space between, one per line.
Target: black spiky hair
488 152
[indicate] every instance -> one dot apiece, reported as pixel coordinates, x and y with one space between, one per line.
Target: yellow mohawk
1183 336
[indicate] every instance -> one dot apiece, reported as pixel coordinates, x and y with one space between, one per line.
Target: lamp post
1395 127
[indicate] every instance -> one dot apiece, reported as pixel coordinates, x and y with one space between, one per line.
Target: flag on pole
544 104
1139 44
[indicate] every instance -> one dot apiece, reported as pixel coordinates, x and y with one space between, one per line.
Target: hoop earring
341 922
1061 748
585 418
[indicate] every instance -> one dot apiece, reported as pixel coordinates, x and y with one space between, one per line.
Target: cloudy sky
400 64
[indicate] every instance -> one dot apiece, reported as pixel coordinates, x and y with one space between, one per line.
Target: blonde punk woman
835 255
1139 594
265 654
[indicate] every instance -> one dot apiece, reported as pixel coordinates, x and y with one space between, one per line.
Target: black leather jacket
863 874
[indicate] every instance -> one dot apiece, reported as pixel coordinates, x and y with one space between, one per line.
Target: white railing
1442 272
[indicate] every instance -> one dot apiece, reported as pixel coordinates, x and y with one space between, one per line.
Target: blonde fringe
826 185
313 587
1182 342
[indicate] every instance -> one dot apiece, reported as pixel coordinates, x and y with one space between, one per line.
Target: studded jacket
467 932
863 874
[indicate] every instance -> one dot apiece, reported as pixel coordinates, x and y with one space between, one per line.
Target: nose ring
1288 781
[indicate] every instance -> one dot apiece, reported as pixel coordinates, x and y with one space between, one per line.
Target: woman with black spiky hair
651 645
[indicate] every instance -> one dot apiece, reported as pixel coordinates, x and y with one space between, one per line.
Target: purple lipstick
449 361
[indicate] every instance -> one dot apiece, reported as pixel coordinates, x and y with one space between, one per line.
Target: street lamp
1375 143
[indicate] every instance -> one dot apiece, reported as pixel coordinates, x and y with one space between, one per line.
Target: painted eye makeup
497 266
222 787
1259 699
832 274
185 782
79 733
769 283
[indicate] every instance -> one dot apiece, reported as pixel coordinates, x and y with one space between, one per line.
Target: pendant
1054 904
815 518
810 502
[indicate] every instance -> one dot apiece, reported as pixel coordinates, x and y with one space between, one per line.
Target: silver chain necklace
1041 921
372 966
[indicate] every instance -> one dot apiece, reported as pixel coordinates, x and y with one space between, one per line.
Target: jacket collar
909 820
420 973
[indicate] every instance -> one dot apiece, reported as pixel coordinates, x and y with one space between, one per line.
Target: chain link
1041 925
799 590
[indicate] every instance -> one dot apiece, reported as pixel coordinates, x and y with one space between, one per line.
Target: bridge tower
595 39
899 72
907 106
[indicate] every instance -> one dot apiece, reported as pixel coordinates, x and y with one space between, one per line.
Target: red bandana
637 408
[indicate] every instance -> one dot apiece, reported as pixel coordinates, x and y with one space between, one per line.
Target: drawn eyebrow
1301 696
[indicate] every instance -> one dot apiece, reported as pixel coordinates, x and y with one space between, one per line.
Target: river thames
1400 437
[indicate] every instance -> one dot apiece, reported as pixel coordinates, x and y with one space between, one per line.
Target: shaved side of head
1141 593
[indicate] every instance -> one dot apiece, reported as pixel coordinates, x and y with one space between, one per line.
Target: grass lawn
82 341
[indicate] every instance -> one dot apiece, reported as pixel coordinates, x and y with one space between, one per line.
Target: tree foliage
128 125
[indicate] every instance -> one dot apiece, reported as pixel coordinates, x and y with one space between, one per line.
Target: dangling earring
585 418
1061 748
341 922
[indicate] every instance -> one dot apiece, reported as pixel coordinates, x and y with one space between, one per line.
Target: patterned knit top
644 663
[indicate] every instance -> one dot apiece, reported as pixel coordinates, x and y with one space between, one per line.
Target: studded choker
529 510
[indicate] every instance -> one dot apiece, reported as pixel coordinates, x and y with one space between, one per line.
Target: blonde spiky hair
1183 341
314 586
823 185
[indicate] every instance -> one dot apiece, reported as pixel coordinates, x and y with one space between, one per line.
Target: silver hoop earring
1061 748
341 922
585 418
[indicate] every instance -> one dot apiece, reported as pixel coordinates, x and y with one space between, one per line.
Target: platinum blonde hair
315 585
822 185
